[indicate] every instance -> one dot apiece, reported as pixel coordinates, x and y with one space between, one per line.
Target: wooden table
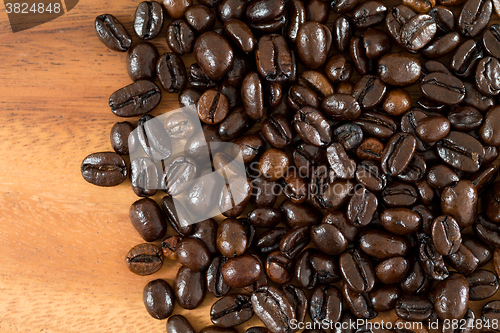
63 241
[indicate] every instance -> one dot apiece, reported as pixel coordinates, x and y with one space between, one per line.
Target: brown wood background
62 240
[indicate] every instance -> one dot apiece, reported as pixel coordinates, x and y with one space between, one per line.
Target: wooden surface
63 241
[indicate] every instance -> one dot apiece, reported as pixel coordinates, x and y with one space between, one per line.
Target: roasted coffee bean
442 46
446 235
349 135
199 79
396 18
235 124
490 312
120 135
362 207
338 69
482 285
189 288
400 221
465 118
147 218
370 176
294 241
383 245
420 6
369 91
317 11
491 154
487 231
409 123
172 73
313 43
144 259
312 127
169 246
432 129
463 260
231 9
305 274
359 303
326 304
484 177
273 94
141 61
398 153
242 271
278 131
491 203
358 56
135 99
300 96
249 146
104 169
339 220
200 17
193 254
451 297
425 192
328 239
342 32
397 194
179 125
279 268
461 151
414 308
442 88
144 176
154 138
234 196
342 166
252 96
266 15
273 164
416 281
371 149
269 241
231 310
465 58
238 70
307 157
159 299
112 33
317 82
488 76
385 297
474 17
491 40
212 107
298 299
215 280
264 217
415 171
273 58
214 54
273 308
417 32
179 324
176 9
296 18
392 270
357 270
490 129
265 192
178 174
233 237
445 19
376 43
206 231
431 260
180 37
177 215
341 107
369 13
199 198
461 202
396 102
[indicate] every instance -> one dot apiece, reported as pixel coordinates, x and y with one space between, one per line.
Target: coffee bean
159 299
369 91
215 280
398 153
358 303
325 304
446 235
417 32
414 308
233 237
484 177
135 99
400 221
176 9
465 58
368 13
231 310
104 169
396 18
390 65
172 73
328 239
177 215
266 15
341 107
442 45
488 76
242 271
112 33
443 88
463 260
214 54
148 219
296 18
451 297
357 271
314 41
474 17
178 174
144 259
312 127
490 312
385 297
273 308
141 61
392 270
383 245
189 288
460 201
431 260
416 281
358 56
396 102
180 37
193 254
279 268
273 58
362 207
482 285
461 151
179 324
294 241
153 138
490 130
212 107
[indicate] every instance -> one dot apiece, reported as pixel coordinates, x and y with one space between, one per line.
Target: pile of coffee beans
360 197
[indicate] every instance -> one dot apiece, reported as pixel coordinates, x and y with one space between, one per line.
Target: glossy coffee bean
490 130
266 15
369 91
417 32
489 312
313 51
369 13
465 58
176 9
328 239
232 203
104 169
474 17
461 202
398 153
446 235
189 288
341 107
416 281
491 203
214 54
463 260
487 76
443 88
370 176
135 99
414 308
383 245
400 221
359 303
441 46
396 18
390 69
482 284
484 177
144 176
153 138
112 33
361 207
141 61
180 37
396 102
342 33
212 107
172 73
392 270
148 20
432 129
451 297
371 149
273 58
169 246
200 17
242 271
358 56
119 136
263 302
147 218
177 215
461 151
215 280
357 270
312 127
325 304
178 174
385 297
178 324
465 118
231 310
232 237
279 268
159 299
294 241
193 254
431 260
144 259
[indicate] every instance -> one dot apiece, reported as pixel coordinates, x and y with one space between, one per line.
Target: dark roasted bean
144 259
112 33
135 99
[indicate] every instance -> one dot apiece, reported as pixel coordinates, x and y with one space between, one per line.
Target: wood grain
63 240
